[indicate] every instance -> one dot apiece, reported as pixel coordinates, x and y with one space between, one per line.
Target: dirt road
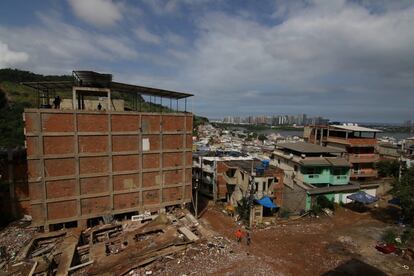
309 246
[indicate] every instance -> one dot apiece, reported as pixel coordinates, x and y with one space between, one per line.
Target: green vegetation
198 120
284 213
14 98
11 123
262 137
403 189
244 210
388 168
391 236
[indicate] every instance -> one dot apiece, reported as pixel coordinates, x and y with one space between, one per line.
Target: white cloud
314 56
146 36
100 13
9 57
174 39
57 47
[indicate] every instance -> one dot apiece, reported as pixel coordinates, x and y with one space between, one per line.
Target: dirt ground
307 246
304 246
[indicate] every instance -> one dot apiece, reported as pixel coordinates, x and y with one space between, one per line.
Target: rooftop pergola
89 83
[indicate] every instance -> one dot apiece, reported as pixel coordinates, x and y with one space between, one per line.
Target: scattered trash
386 248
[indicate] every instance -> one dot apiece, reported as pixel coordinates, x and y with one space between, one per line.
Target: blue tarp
395 201
362 197
266 202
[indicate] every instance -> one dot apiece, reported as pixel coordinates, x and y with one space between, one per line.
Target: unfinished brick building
83 164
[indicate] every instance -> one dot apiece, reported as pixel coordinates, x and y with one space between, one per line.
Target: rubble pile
13 239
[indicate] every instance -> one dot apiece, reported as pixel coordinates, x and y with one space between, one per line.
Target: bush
407 235
323 202
244 210
389 236
284 213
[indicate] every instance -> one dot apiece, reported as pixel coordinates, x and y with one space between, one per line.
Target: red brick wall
80 143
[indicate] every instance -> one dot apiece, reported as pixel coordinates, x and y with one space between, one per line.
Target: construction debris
118 248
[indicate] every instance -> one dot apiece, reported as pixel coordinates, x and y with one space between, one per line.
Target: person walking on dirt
239 235
248 238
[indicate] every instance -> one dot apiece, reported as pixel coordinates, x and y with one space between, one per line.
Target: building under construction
106 148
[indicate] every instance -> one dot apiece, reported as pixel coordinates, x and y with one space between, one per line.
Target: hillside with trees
14 98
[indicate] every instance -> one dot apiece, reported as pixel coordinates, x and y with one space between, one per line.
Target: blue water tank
260 171
265 163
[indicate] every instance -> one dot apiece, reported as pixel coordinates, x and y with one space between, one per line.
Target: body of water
286 133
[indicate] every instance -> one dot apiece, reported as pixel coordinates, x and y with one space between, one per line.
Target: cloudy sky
346 60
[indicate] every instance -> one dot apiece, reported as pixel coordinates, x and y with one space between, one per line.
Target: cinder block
172 123
93 144
125 122
89 165
94 185
125 182
60 167
125 201
60 188
57 122
92 122
172 142
125 143
95 205
61 209
150 179
125 163
173 159
58 145
151 161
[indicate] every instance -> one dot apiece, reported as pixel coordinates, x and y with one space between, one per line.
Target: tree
388 168
403 189
262 137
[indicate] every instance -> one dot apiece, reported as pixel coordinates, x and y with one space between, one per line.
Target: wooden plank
189 235
80 266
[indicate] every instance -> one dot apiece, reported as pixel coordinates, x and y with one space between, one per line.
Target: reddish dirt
311 246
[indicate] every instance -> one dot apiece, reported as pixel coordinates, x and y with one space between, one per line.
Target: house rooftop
353 128
325 162
306 148
248 165
95 79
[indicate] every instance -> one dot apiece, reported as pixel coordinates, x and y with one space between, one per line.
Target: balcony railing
363 158
353 141
364 173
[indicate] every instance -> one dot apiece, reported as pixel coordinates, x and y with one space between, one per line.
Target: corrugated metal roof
304 147
325 162
315 161
355 128
338 162
94 79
